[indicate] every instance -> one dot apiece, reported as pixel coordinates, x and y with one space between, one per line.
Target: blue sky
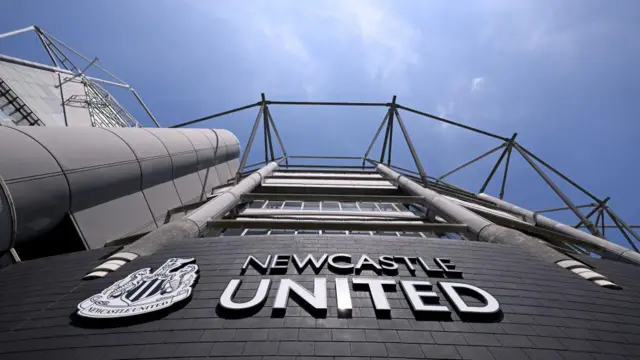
560 73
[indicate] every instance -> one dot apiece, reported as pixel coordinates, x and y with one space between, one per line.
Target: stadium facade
120 241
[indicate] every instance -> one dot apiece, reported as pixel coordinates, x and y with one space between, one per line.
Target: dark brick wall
549 312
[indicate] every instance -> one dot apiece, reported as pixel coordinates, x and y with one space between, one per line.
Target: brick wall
549 312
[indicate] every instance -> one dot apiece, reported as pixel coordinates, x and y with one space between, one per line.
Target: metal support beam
391 132
336 225
209 117
559 192
331 197
565 208
46 48
414 154
473 161
386 138
564 177
247 148
593 211
16 32
325 103
146 109
615 217
265 128
325 157
453 123
506 171
624 233
495 167
375 137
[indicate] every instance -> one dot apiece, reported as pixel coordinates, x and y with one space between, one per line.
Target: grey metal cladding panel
211 178
154 159
210 135
114 219
36 183
80 147
22 156
223 172
99 185
189 187
40 204
204 149
175 142
6 223
233 165
161 198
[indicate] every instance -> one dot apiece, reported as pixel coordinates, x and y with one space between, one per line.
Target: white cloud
477 84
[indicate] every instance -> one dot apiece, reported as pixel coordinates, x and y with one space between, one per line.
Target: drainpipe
484 229
606 248
192 225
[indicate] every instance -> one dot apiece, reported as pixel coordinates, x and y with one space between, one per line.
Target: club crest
143 291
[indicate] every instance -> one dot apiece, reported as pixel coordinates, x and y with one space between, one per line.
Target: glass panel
387 233
232 232
349 206
334 232
282 232
257 204
292 205
330 206
311 205
401 207
368 206
386 207
256 232
274 205
308 232
409 234
359 232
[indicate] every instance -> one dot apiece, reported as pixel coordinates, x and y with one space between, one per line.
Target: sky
559 73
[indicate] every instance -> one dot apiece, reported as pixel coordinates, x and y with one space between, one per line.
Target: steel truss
103 108
392 116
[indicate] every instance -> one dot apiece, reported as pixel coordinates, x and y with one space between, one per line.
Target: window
282 232
349 206
314 232
257 204
386 233
401 207
409 234
274 205
334 232
368 206
256 232
292 205
330 206
387 207
232 232
311 205
359 232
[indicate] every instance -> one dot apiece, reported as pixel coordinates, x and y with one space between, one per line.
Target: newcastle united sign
419 293
143 291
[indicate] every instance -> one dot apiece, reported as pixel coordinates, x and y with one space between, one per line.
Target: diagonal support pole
247 148
622 228
414 154
473 161
619 220
564 177
557 190
275 130
593 211
375 137
265 129
495 167
386 136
